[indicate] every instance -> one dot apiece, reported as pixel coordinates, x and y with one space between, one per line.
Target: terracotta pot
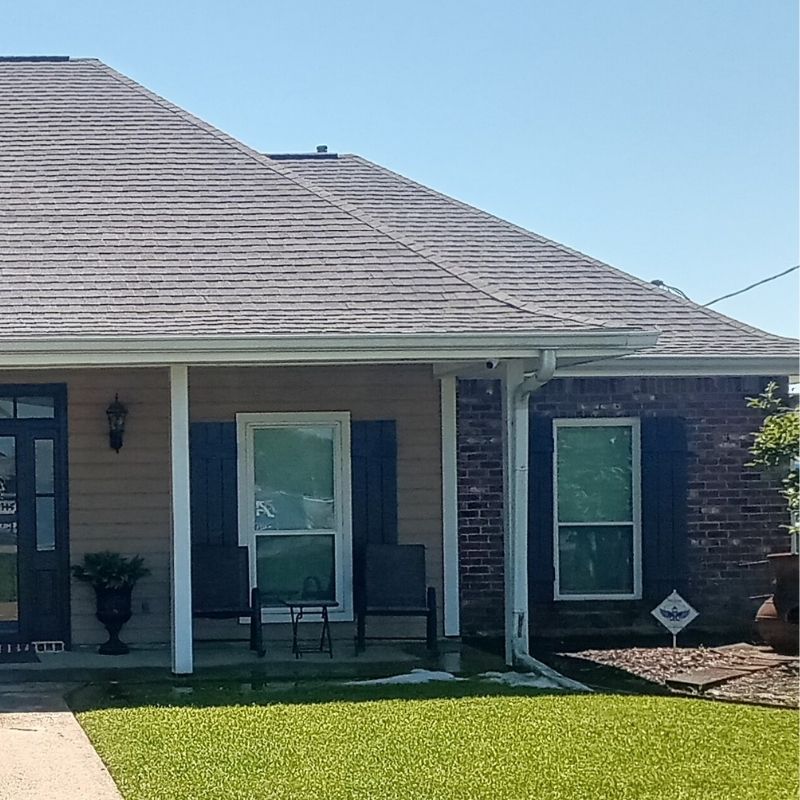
777 618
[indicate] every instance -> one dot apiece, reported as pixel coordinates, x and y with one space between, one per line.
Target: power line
753 285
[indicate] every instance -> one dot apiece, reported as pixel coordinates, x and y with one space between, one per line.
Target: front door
34 578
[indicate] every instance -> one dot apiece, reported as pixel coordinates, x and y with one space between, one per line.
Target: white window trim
343 547
636 480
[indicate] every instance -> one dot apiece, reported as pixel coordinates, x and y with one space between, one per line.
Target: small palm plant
109 570
112 576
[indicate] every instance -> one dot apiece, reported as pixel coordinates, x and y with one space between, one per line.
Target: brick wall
734 512
480 506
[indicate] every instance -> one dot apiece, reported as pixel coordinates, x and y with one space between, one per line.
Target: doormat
18 654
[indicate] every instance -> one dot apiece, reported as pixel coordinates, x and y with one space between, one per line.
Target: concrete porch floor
234 661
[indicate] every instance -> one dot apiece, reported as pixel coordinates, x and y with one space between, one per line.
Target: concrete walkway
44 753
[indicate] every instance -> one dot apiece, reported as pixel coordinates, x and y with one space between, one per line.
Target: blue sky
659 136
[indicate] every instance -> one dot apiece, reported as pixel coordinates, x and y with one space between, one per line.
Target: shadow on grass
258 689
202 694
602 676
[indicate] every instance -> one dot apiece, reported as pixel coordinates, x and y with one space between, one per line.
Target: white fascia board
683 366
361 349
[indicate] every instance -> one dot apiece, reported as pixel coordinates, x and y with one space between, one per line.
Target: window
27 407
597 517
294 479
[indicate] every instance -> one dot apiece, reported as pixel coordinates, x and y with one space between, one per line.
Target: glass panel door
9 549
34 547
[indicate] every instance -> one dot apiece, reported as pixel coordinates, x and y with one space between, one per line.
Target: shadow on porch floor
233 661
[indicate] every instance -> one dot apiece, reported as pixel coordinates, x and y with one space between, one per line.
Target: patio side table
300 609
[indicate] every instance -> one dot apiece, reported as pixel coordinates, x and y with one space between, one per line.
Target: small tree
777 445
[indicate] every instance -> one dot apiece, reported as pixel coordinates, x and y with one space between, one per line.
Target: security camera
492 363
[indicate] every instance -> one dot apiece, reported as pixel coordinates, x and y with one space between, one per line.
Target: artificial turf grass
441 742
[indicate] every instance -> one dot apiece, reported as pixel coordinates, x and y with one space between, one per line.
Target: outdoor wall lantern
116 413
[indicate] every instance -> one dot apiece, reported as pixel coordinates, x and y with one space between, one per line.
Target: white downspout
518 390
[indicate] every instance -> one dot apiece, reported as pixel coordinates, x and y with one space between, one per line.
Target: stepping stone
745 646
772 659
698 680
755 654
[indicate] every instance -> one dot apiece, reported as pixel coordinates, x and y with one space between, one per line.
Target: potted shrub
776 447
112 576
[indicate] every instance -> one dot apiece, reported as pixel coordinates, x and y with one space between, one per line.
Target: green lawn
439 742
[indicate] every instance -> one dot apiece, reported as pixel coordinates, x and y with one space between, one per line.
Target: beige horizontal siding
407 394
122 501
118 501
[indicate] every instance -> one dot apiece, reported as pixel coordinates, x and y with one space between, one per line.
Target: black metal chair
220 581
393 585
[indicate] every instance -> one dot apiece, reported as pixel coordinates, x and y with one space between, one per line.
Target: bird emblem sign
674 613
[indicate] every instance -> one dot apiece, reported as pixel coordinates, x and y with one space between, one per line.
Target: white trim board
377 348
682 366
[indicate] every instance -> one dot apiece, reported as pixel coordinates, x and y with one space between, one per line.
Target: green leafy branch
777 445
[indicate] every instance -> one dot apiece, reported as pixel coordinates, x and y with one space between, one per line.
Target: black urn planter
113 610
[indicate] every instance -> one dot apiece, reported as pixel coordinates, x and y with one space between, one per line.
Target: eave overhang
115 351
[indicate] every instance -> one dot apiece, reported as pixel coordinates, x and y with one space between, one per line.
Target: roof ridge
713 314
343 205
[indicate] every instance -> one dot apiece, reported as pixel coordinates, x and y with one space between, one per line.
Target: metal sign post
674 613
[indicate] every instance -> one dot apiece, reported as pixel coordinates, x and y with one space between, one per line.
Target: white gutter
637 364
357 349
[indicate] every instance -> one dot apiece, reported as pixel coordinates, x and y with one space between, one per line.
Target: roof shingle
121 213
531 268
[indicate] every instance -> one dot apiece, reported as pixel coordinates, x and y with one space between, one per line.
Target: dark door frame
27 430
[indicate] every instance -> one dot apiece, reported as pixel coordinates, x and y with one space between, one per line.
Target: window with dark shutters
664 460
219 564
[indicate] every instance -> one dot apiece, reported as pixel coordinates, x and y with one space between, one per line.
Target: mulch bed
776 685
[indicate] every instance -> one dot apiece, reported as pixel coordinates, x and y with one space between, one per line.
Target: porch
187 478
180 488
231 661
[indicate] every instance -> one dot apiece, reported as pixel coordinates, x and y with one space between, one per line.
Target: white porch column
452 611
181 535
515 446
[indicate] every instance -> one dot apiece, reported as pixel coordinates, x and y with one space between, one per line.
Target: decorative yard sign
674 613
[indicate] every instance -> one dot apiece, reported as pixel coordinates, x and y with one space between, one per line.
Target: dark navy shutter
219 565
374 477
373 452
541 574
664 506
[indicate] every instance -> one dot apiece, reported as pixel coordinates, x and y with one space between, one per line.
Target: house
568 442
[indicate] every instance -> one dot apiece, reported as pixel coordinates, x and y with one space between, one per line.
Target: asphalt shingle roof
531 268
120 213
